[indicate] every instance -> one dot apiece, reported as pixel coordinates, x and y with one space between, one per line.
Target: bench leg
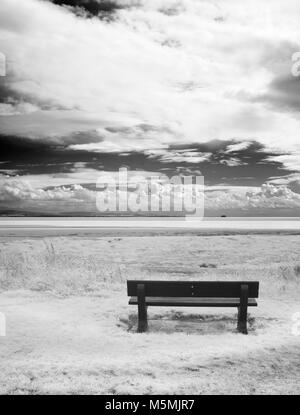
242 310
142 309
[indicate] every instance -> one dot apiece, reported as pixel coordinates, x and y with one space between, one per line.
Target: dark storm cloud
32 156
104 9
251 165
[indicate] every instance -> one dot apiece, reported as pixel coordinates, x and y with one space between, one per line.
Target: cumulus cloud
291 181
268 197
15 192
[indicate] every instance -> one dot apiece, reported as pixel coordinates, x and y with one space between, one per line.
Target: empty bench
239 294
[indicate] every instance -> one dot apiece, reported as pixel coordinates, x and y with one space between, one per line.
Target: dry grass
70 266
70 329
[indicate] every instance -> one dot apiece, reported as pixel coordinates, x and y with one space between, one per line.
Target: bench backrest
193 288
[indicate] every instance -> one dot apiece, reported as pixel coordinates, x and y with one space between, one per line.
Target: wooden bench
240 294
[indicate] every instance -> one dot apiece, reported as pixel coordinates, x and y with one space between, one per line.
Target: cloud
268 197
127 139
291 181
14 101
187 66
238 146
283 93
190 155
227 162
18 108
20 190
161 86
290 161
232 162
19 194
104 9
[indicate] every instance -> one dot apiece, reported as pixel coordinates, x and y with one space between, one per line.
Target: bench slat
228 289
193 302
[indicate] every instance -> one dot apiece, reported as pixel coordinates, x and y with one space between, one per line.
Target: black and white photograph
150 200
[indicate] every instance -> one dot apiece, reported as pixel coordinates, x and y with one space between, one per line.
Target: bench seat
239 294
193 302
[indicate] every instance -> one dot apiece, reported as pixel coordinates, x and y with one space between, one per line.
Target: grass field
70 330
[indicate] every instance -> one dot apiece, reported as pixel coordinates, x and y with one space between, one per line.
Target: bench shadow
191 323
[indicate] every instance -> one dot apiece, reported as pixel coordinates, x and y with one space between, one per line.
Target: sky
190 87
